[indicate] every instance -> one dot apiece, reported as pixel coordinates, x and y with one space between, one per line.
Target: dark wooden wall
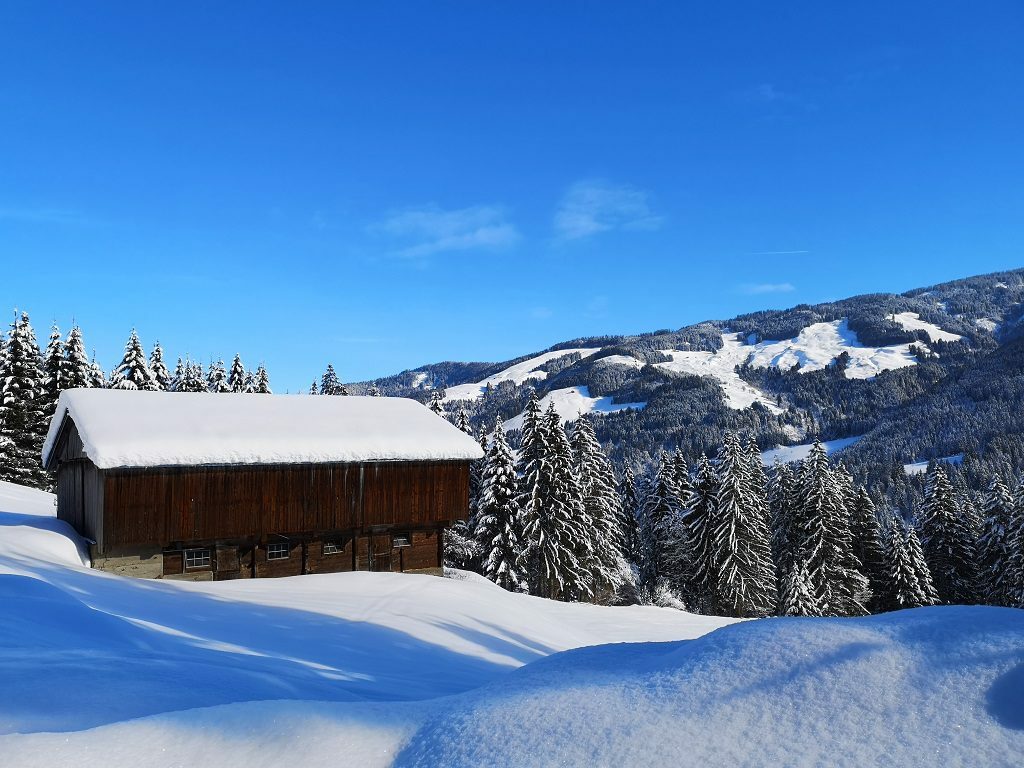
163 506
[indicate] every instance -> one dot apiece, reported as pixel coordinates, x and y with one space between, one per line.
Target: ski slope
376 669
571 402
520 373
786 454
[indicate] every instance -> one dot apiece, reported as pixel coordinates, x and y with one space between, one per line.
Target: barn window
333 547
401 540
197 558
277 551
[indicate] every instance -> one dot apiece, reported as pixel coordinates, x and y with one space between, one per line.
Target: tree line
726 536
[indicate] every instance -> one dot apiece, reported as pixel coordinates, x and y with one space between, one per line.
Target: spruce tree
436 397
313 390
796 597
993 547
629 521
602 506
924 574
867 543
77 371
23 422
54 371
97 379
160 372
902 586
698 512
947 541
262 381
250 383
329 383
217 378
661 539
177 377
1013 582
374 391
498 524
782 502
133 372
192 380
462 422
237 376
741 548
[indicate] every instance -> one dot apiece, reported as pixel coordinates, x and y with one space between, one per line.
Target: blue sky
382 185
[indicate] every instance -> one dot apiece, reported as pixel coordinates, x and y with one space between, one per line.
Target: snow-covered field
920 467
520 373
786 454
391 669
573 401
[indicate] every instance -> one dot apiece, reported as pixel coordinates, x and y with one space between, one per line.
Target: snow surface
986 324
519 373
721 366
818 345
146 429
627 360
786 454
377 669
573 401
911 321
920 467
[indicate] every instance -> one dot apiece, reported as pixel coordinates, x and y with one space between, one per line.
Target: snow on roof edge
150 429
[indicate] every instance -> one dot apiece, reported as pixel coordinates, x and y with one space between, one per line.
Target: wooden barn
201 486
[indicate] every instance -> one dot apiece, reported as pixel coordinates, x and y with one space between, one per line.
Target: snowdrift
393 669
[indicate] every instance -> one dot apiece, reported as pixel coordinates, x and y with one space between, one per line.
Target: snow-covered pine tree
250 383
698 510
947 542
374 391
462 422
628 522
77 371
498 524
782 501
902 587
681 474
237 376
313 389
160 372
23 421
97 379
436 397
867 543
796 597
342 389
994 551
329 382
54 371
662 541
217 378
177 377
133 372
924 574
740 541
822 532
531 469
603 506
262 381
193 379
1013 583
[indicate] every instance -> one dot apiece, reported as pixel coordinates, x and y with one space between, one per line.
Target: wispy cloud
759 288
59 216
776 253
430 230
592 206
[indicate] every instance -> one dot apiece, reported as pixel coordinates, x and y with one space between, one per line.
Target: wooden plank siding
163 506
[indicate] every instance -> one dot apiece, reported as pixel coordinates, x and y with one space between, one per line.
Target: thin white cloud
45 216
430 230
759 288
592 206
776 253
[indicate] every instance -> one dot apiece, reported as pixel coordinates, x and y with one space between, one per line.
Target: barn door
380 552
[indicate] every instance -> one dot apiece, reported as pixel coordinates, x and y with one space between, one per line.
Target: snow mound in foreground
936 686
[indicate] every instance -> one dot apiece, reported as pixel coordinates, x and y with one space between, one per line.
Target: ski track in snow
573 401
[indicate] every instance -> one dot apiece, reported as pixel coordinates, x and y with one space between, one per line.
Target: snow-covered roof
123 428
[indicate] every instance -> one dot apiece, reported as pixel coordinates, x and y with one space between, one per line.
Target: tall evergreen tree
217 378
97 379
629 523
947 541
313 389
374 391
133 372
867 543
698 518
462 422
192 380
994 551
23 405
329 382
498 525
160 372
237 376
54 371
924 574
602 506
662 543
740 540
782 502
177 377
436 397
908 583
796 595
262 381
77 371
1013 582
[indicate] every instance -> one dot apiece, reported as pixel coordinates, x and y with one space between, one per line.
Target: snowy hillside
347 668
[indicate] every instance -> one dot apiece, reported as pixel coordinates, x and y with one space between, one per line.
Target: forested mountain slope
929 373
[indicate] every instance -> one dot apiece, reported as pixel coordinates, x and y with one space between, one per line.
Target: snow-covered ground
785 454
920 467
911 321
573 401
519 373
392 669
721 366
